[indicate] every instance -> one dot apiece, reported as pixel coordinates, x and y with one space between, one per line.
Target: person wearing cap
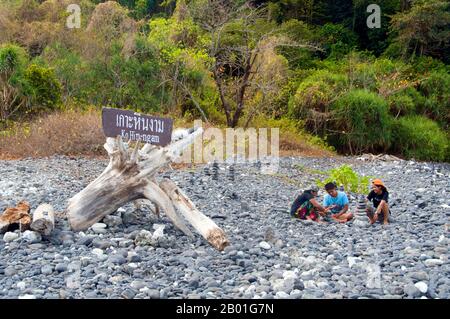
306 206
379 197
337 202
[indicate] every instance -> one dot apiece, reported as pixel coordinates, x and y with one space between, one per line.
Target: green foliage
13 99
73 72
401 104
347 177
426 64
337 40
360 123
420 138
316 92
298 57
417 97
280 103
436 88
423 30
139 72
44 87
13 59
165 56
293 129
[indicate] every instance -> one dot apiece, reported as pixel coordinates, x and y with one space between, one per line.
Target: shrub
337 40
345 176
361 122
13 60
418 99
313 97
293 138
436 88
426 64
70 69
401 104
420 138
301 32
363 75
45 88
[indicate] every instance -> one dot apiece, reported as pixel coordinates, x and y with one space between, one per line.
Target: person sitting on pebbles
306 206
379 197
337 202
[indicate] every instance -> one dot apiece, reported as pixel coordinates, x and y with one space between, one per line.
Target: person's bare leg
371 215
385 210
347 216
344 217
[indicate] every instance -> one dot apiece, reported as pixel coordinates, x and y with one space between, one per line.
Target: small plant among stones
345 176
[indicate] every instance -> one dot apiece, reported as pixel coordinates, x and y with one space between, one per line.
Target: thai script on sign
136 127
137 122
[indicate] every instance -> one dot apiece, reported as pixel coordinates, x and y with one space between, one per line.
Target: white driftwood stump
130 176
43 219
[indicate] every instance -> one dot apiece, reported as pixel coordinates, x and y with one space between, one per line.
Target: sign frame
135 126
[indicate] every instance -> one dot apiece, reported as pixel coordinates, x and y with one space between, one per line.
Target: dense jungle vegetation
312 67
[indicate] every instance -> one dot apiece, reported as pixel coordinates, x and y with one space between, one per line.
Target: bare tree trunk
225 104
240 99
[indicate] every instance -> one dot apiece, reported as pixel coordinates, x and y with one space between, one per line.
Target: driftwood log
18 217
130 176
43 219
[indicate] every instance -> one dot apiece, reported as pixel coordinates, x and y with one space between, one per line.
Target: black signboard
136 127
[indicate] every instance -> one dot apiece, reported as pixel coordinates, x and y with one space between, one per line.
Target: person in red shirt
306 206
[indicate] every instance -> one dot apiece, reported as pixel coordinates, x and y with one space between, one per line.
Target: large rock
61 267
85 240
